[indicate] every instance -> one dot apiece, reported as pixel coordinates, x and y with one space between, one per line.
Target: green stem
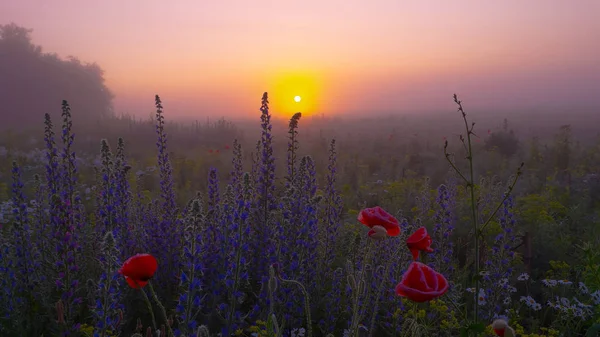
471 186
376 307
447 155
162 309
506 195
149 305
358 291
379 290
458 308
306 304
237 275
415 306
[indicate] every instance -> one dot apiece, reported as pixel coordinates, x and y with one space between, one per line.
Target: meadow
197 229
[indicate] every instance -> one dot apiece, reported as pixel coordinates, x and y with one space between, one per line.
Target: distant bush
31 81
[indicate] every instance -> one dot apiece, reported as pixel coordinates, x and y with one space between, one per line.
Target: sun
293 91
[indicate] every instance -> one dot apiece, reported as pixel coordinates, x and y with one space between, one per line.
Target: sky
216 58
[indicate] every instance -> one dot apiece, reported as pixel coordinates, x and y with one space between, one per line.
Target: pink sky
217 57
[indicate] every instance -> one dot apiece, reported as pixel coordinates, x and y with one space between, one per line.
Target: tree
33 83
506 143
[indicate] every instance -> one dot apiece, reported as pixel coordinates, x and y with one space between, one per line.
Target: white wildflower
583 288
481 299
596 297
298 332
531 302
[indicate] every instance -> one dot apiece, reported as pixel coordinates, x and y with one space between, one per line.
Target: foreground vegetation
259 255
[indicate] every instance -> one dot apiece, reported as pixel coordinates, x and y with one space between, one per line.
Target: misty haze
317 168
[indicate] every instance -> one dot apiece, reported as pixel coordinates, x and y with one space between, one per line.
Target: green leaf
593 331
477 278
475 327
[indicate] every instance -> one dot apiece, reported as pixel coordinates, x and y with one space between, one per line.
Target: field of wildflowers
256 255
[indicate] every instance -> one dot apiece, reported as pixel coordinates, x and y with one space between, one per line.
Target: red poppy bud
138 269
60 312
419 241
420 283
502 329
377 232
376 216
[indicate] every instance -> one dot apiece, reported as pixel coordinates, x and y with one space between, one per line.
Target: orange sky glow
215 58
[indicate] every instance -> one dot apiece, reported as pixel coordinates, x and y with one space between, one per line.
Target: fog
344 59
307 168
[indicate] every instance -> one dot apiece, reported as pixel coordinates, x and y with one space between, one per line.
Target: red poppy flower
379 221
226 147
210 151
419 240
420 283
138 269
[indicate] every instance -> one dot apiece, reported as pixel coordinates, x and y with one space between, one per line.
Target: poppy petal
135 284
420 283
415 253
418 241
377 216
393 230
139 267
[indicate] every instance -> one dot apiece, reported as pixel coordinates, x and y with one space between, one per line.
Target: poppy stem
149 305
415 309
458 308
306 303
162 309
379 291
360 288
